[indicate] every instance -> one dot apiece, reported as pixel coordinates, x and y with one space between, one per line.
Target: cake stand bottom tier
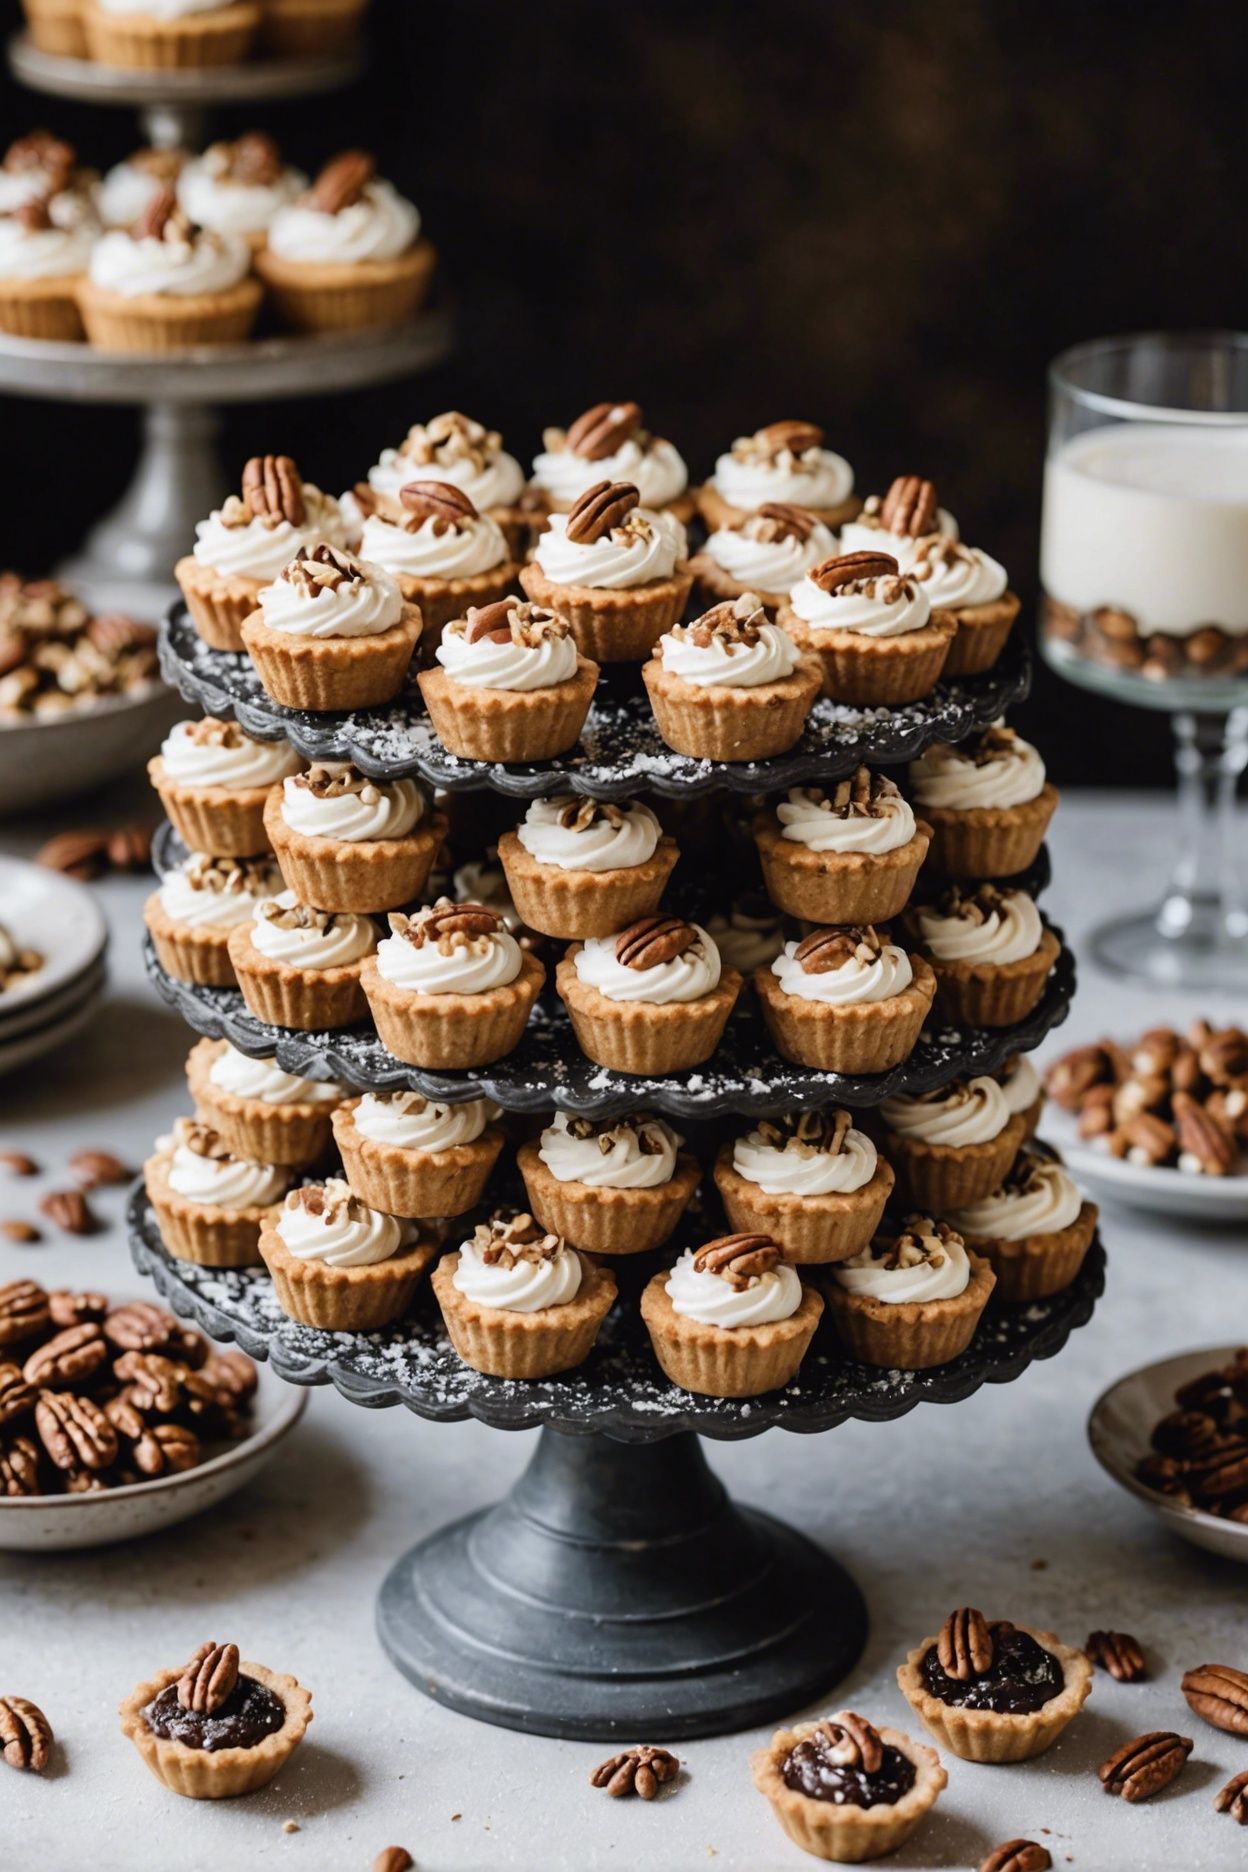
618 1594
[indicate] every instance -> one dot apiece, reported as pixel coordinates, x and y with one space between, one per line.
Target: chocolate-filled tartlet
216 1726
994 1691
846 1791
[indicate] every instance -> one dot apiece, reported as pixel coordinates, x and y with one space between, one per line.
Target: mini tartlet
987 801
331 632
199 904
348 253
165 284
520 1303
811 1180
974 590
653 999
210 1204
614 569
135 36
300 967
579 867
900 521
993 1691
56 26
878 640
783 461
451 986
1035 1228
47 236
262 1112
511 686
459 451
238 186
846 1791
410 1156
848 853
609 442
341 1266
912 1299
845 999
249 541
953 1145
731 686
347 842
732 1318
217 1726
445 555
765 552
213 781
132 185
989 950
613 1186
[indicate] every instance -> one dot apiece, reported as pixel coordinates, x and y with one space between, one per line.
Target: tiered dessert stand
126 560
617 1590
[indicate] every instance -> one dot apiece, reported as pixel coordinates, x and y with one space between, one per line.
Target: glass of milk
1144 575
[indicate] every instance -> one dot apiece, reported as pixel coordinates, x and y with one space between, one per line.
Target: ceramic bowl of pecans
1175 1435
1161 1121
116 1420
81 699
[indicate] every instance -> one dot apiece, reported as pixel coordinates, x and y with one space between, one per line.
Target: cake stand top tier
266 81
620 751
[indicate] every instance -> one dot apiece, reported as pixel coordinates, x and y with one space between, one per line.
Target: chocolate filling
1022 1677
808 1769
249 1713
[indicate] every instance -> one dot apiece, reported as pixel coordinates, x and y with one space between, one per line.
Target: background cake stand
126 560
617 1591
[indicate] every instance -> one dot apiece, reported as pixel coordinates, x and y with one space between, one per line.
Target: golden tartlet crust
837 887
414 1183
847 1834
717 1361
225 822
861 1037
937 1177
1035 1266
993 994
217 1774
296 1132
989 841
910 1335
619 626
642 1036
189 952
991 1735
576 904
509 724
983 631
712 721
287 996
207 1233
874 672
810 1229
367 875
607 1221
524 1345
452 1030
346 1299
322 673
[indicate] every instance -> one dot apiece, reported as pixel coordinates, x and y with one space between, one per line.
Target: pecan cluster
94 1396
55 656
323 568
511 620
732 624
506 1239
451 437
779 520
233 877
806 1132
447 926
778 443
1199 1454
647 1132
578 813
1107 634
335 779
252 160
858 796
48 157
831 948
738 1259
920 1239
292 916
334 1200
1171 1098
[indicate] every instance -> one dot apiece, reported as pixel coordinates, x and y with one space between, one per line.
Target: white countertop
995 1502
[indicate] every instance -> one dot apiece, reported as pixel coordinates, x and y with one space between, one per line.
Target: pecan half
342 181
1145 1765
909 507
74 1431
1018 1855
17 1395
1203 1136
639 1771
603 429
141 1326
273 489
18 1164
209 1679
97 1169
1070 1078
738 1259
831 948
652 941
71 1357
19 1467
393 1859
167 1448
964 1647
1118 1653
854 1741
440 501
600 510
1218 1693
1233 1798
155 1380
446 921
25 1734
492 621
24 1311
785 520
161 213
788 437
16 1230
69 1210
850 568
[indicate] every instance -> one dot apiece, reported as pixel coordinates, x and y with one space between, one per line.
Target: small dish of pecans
1175 1435
1161 1122
117 1420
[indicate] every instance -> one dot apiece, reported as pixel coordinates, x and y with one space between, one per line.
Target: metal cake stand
126 561
617 1591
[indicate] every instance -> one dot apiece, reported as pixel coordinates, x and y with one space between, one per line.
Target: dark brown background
884 217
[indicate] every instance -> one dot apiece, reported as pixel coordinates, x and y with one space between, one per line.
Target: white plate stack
60 920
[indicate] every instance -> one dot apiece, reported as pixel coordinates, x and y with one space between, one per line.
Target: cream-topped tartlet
654 998
732 1318
451 986
785 462
446 556
811 1180
912 1299
766 552
169 35
300 967
238 187
845 999
47 236
261 1111
848 853
990 950
463 453
197 906
413 1156
610 442
165 284
518 1302
211 1204
510 684
213 781
952 1145
878 639
578 867
615 569
615 1186
900 521
987 800
732 685
341 1266
128 189
1035 1228
331 632
345 841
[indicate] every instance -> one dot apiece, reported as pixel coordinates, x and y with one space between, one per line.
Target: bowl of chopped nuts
1161 1122
1170 1434
81 698
117 1421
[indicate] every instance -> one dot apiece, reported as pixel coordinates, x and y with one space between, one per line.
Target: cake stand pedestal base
618 1594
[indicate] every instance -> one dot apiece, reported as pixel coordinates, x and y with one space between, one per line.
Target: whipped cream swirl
202 754
407 1121
767 562
451 965
512 664
809 816
686 977
363 810
342 1231
264 1081
134 264
645 548
859 978
452 447
214 198
726 664
956 576
654 467
1009 930
997 768
434 550
638 1152
941 1274
788 1166
212 1174
867 533
526 1286
1021 1085
286 931
889 606
1037 1198
381 225
260 546
973 1111
364 603
54 252
219 894
698 1294
816 478
575 834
